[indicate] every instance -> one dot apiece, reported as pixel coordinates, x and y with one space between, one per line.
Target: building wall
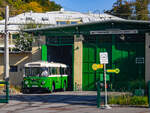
19 59
147 57
78 50
1 66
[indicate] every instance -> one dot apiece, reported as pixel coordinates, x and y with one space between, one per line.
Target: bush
128 100
138 100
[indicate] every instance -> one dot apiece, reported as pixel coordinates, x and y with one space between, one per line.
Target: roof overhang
50 28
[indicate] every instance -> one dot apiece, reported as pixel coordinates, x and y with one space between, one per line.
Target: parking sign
103 58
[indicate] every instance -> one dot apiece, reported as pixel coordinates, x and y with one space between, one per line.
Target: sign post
104 60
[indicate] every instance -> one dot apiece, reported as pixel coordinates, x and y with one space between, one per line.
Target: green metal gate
128 56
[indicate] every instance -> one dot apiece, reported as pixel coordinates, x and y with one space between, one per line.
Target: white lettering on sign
114 32
103 58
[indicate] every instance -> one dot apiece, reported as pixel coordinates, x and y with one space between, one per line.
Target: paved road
61 102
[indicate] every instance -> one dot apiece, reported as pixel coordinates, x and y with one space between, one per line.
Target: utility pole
6 55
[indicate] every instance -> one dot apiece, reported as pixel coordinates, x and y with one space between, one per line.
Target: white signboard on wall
114 31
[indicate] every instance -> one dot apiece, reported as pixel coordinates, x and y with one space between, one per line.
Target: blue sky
96 6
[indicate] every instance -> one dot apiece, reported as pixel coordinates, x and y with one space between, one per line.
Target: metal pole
105 84
98 95
6 56
149 93
106 105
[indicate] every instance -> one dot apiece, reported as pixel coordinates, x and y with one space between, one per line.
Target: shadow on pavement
72 99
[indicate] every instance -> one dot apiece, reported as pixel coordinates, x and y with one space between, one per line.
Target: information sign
103 58
113 70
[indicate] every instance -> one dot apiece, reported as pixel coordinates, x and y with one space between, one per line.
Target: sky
95 6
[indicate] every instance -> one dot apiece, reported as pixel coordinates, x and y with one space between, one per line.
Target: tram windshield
36 71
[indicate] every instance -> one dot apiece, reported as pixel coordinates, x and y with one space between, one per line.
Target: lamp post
6 55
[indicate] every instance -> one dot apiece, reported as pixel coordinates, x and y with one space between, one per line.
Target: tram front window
36 71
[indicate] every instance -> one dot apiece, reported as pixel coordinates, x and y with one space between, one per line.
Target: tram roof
44 64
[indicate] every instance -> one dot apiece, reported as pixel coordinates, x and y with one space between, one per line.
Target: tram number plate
34 86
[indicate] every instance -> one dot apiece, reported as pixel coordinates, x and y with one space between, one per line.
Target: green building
126 41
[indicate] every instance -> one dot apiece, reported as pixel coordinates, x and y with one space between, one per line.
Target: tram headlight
43 82
26 82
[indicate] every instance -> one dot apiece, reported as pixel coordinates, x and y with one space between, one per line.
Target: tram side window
54 72
62 71
57 70
65 71
27 71
50 71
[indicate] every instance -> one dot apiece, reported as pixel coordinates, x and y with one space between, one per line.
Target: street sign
97 66
113 70
103 58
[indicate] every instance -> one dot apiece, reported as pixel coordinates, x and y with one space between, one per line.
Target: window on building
29 19
13 69
44 19
73 23
1 49
61 22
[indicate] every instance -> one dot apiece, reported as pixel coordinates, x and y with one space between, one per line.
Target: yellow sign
97 66
2 85
94 66
113 70
100 66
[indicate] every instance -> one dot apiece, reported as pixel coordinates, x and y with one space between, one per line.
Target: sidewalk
64 102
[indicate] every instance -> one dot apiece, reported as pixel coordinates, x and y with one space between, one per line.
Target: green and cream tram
44 75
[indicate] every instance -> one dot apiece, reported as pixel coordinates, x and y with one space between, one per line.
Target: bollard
98 94
149 93
6 90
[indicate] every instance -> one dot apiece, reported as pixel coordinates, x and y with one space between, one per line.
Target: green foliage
128 100
121 9
141 9
21 6
137 9
23 42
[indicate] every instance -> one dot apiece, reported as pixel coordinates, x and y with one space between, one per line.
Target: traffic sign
113 70
103 58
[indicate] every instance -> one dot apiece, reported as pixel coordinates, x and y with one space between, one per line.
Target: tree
23 42
32 6
121 9
20 6
141 9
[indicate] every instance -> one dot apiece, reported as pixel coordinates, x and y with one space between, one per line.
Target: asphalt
62 102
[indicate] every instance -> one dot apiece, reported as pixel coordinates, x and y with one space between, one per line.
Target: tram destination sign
114 31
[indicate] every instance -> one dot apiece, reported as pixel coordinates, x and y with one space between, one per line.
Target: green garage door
128 56
90 57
